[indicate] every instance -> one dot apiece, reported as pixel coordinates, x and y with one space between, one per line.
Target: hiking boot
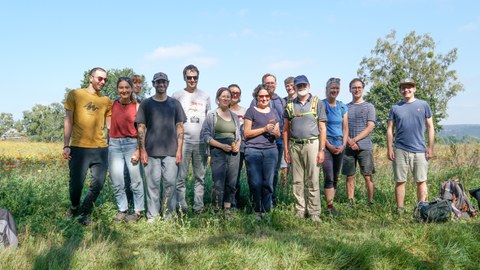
84 220
300 215
332 212
316 219
133 217
120 216
72 212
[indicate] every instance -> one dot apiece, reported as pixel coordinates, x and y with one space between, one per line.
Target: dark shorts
364 159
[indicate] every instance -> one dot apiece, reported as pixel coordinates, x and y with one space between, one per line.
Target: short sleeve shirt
89 112
305 126
161 119
259 120
409 120
358 117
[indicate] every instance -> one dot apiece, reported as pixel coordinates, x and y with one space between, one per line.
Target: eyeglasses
100 79
357 87
263 96
159 81
236 94
192 78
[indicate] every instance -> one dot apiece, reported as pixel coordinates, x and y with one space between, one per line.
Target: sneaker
120 216
258 216
84 220
72 212
228 213
351 203
316 219
400 211
133 217
150 220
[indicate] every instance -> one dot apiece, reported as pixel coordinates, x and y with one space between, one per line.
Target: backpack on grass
8 230
437 211
452 203
452 190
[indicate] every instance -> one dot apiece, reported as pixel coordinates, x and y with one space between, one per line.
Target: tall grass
34 187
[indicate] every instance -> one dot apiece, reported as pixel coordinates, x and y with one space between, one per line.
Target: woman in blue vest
337 134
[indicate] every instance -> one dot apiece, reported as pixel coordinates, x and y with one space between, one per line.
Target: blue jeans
261 164
96 160
275 173
224 168
196 153
160 170
120 152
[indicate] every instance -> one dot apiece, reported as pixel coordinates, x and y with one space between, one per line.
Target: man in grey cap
160 121
409 118
304 136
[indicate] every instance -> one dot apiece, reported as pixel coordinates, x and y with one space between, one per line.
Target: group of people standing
157 138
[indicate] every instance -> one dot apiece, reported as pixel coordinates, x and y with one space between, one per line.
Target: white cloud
285 65
179 51
205 61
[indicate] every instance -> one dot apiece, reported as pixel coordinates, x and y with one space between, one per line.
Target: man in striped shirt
361 121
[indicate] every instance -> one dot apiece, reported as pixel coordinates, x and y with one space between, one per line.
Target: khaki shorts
405 161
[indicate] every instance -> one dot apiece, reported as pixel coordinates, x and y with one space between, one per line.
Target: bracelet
66 146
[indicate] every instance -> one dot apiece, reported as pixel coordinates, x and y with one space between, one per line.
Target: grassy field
34 187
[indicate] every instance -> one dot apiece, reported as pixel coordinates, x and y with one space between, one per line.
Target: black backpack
437 211
8 230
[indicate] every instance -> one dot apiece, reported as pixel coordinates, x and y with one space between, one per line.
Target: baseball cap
160 76
407 81
300 79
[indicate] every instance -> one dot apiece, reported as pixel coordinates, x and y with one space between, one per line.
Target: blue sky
47 45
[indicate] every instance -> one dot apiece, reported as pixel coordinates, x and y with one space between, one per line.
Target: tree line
390 61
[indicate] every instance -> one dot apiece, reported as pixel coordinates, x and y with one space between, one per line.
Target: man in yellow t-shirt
87 112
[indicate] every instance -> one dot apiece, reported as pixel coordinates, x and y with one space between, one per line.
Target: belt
303 141
335 138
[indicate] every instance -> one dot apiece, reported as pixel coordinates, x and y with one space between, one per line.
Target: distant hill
460 130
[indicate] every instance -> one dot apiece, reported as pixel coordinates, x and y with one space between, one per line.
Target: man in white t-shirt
196 104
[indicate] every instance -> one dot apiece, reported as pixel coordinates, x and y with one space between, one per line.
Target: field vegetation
34 188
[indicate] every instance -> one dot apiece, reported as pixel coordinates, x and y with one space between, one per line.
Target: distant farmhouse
13 135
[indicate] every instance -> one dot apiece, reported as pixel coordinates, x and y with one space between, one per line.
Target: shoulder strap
313 107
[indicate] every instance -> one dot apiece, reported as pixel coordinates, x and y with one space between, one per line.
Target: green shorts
364 159
405 161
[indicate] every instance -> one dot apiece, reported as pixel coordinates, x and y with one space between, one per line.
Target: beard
303 92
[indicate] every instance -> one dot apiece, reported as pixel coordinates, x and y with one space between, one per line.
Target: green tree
6 122
110 88
415 57
44 123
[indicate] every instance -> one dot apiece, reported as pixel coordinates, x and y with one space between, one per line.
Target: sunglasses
263 96
235 94
100 79
159 81
192 78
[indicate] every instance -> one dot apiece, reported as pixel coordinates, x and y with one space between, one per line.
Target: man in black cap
160 121
409 118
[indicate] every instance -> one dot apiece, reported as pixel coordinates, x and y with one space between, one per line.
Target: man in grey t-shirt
409 118
304 137
196 104
361 121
